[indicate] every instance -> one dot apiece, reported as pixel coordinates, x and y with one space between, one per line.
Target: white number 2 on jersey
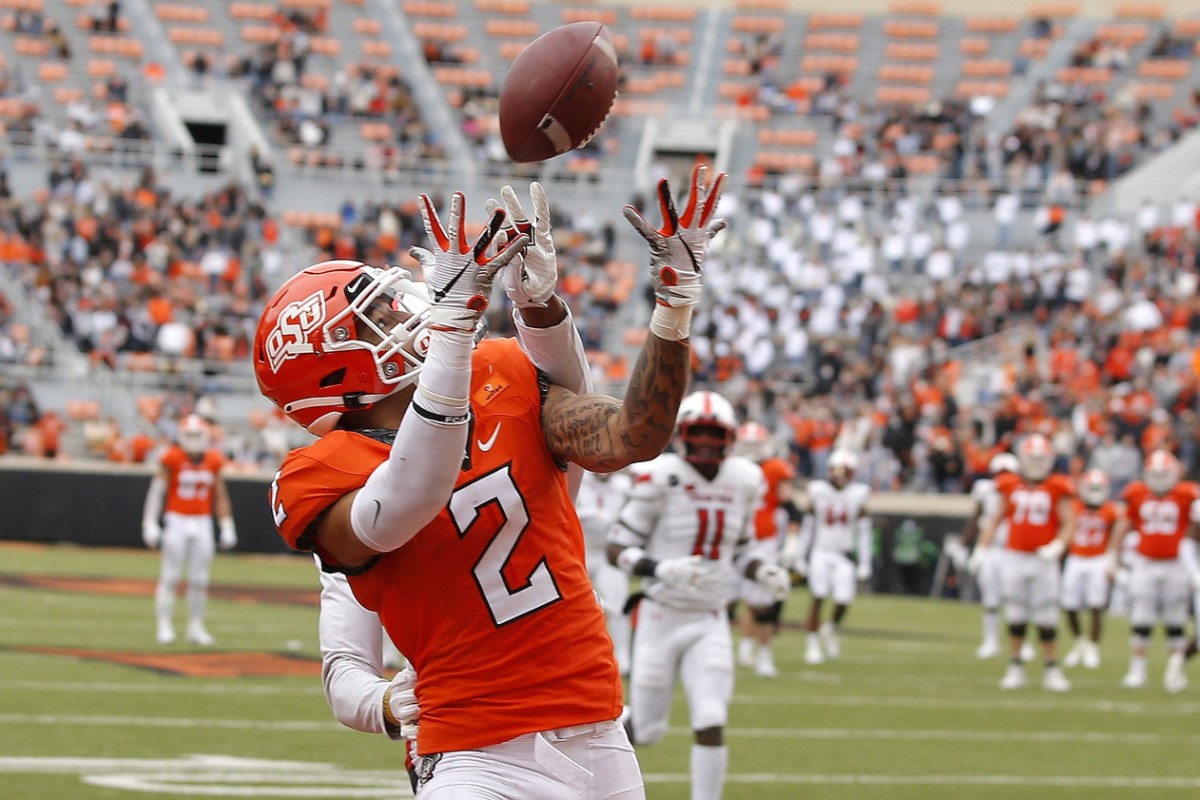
539 590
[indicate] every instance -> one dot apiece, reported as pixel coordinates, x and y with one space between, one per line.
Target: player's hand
1053 550
401 700
678 248
681 573
958 554
800 567
975 562
775 579
862 572
151 534
530 278
1112 565
1121 577
460 276
227 540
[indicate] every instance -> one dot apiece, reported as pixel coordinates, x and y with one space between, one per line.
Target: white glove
1112 565
958 554
678 248
459 276
774 579
975 562
682 573
1121 577
1053 550
401 700
151 533
227 540
863 572
529 279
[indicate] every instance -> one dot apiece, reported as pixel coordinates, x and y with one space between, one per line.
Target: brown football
558 92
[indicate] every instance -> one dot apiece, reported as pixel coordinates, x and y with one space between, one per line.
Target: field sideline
92 708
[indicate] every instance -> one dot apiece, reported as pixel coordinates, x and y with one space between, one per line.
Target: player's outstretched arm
603 434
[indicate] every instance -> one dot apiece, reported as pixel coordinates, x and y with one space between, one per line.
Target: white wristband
671 323
628 558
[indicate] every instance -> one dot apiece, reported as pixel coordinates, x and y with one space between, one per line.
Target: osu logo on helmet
296 321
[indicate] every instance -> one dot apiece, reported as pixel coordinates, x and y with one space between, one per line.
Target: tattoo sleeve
603 434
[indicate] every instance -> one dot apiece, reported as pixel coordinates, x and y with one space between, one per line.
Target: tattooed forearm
603 434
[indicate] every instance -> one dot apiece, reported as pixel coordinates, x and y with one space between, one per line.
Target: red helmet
340 336
1094 487
707 424
1036 457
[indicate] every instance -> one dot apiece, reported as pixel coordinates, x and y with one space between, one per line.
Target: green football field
91 707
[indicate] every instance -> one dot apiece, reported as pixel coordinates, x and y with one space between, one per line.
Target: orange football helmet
340 336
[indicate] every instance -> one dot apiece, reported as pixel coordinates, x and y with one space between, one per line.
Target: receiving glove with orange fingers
678 250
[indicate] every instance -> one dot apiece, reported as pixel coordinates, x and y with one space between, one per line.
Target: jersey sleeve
640 512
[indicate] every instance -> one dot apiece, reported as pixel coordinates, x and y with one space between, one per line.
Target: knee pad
1047 634
651 733
710 713
1142 631
1018 629
768 616
1174 631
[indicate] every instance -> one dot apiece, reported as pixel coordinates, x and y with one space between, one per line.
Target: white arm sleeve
558 352
865 540
407 491
154 499
807 527
351 657
638 516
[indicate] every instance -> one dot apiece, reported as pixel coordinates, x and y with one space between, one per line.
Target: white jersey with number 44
835 512
673 511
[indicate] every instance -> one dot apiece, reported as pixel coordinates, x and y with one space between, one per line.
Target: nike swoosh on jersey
440 294
485 446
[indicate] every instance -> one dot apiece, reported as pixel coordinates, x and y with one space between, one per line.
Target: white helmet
707 425
1161 471
1003 462
1035 457
193 434
1094 487
754 441
843 464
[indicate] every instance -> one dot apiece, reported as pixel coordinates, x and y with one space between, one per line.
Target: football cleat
745 653
989 649
829 640
196 634
764 666
1014 677
812 653
1075 655
1091 656
1175 679
1135 678
166 633
1054 681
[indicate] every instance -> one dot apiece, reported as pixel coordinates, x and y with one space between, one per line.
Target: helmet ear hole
334 378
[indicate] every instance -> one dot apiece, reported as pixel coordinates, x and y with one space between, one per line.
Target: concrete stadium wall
101 504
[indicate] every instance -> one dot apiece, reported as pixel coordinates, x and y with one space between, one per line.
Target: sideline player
987 580
761 614
835 525
601 496
438 485
1161 508
686 527
1085 578
190 478
1040 510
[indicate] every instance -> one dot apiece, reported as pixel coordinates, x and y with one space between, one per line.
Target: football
558 92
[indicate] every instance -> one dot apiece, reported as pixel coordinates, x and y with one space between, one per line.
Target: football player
687 525
761 613
190 478
1039 508
835 525
438 484
1085 578
1161 508
987 580
600 498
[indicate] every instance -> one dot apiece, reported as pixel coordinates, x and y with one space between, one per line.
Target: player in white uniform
598 504
835 525
987 503
685 528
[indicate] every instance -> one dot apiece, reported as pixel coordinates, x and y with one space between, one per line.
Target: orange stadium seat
845 42
606 16
761 5
910 29
1186 28
743 23
510 48
664 13
974 46
1034 48
367 27
1086 75
905 73
1125 33
520 7
425 8
511 27
1165 68
902 95
376 48
259 11
828 63
992 24
987 68
922 8
65 95
1052 10
792 137
172 12
1153 91
822 20
911 51
1139 11
982 88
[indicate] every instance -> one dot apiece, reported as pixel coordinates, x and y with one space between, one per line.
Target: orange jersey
491 600
1032 509
1162 520
190 483
776 471
1093 527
